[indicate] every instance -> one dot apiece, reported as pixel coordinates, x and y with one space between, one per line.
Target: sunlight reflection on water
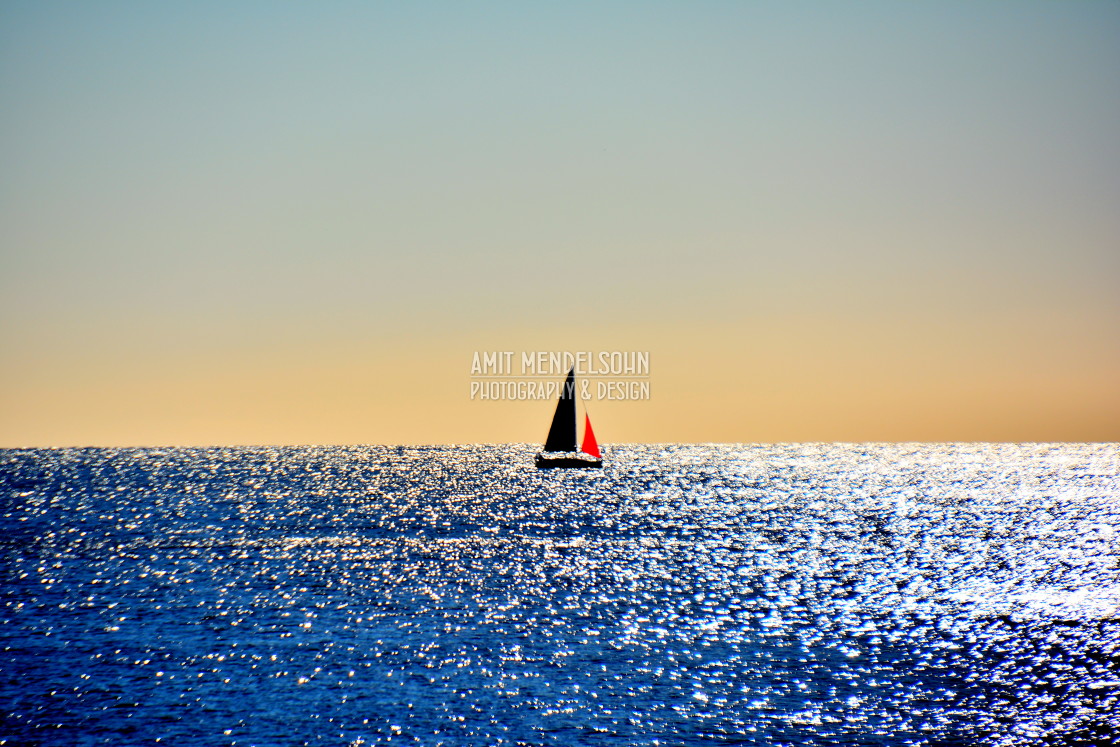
790 594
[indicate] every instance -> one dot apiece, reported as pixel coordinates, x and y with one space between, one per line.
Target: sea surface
816 594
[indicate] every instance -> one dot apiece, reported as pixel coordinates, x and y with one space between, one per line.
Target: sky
295 223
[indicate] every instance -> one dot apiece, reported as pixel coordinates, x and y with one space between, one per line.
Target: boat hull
564 462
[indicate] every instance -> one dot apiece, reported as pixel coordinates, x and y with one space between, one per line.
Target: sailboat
560 446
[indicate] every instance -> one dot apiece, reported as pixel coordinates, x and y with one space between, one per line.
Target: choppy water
777 595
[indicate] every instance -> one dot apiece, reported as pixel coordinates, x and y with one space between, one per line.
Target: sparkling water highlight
882 594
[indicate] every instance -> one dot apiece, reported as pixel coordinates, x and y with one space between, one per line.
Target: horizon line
430 445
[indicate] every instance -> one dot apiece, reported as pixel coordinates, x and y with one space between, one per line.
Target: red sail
590 445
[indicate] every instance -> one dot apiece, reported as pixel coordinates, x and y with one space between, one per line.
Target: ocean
799 594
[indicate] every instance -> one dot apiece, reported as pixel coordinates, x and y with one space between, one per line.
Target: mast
562 434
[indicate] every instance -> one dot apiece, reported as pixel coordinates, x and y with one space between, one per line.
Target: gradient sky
295 222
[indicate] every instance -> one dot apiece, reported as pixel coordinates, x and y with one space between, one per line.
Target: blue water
685 595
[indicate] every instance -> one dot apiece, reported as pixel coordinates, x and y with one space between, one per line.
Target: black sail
562 434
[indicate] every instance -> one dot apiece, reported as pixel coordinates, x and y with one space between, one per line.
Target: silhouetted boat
560 448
